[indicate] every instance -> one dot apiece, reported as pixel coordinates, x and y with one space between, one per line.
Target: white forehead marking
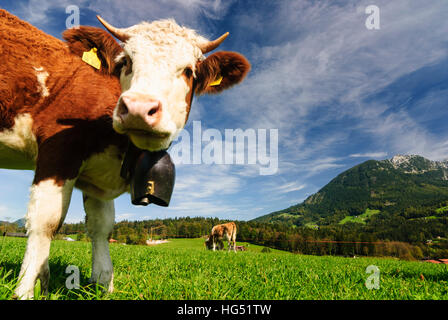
42 76
165 42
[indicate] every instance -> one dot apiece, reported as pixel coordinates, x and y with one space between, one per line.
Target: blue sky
338 93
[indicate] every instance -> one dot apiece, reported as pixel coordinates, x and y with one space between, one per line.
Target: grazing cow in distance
70 119
227 230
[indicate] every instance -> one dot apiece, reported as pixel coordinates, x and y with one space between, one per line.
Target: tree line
394 236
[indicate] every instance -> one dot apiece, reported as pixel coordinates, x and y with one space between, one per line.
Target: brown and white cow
71 123
227 230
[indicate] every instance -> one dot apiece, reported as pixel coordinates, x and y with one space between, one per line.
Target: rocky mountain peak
416 164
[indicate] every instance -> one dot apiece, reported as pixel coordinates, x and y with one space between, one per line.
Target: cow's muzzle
139 111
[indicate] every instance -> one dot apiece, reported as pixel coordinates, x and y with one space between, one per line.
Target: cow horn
212 45
118 33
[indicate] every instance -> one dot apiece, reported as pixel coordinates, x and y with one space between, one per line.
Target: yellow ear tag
91 58
217 82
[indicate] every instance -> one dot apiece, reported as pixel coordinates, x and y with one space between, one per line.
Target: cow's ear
220 71
84 39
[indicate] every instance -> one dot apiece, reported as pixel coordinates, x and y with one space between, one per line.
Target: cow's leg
232 241
100 216
214 243
229 242
47 208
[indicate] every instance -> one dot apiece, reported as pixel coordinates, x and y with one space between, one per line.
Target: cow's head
162 66
208 243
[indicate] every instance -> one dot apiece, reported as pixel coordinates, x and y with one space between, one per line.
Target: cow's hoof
23 295
104 284
104 288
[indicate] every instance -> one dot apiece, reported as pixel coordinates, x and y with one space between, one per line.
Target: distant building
437 261
154 242
15 234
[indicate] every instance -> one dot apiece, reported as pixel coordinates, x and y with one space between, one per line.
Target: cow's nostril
123 110
153 111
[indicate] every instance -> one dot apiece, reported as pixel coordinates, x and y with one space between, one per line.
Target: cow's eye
127 65
188 72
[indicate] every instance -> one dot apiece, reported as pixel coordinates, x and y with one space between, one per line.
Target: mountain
20 223
389 186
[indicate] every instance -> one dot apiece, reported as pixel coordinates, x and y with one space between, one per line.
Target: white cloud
4 211
203 181
404 135
10 214
330 62
130 12
289 187
369 155
124 216
127 13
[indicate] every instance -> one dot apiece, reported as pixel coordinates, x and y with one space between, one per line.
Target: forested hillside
407 186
